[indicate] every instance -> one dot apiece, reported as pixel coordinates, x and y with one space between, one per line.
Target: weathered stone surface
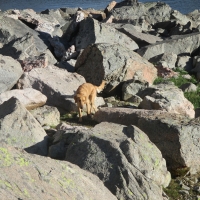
140 38
91 31
46 115
21 48
109 7
185 44
131 88
169 98
176 136
122 158
167 60
152 13
185 63
12 29
28 97
45 22
34 62
20 129
115 64
188 87
25 176
10 72
58 85
54 16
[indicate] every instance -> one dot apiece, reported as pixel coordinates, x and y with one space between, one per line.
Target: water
184 6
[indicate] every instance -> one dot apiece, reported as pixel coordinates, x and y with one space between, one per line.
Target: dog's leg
88 108
80 114
92 100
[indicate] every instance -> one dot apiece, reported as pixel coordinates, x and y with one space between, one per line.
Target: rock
113 63
96 14
21 48
150 13
54 16
13 30
25 176
59 48
46 115
131 88
69 65
119 154
169 98
165 72
91 31
44 22
34 62
188 87
185 63
28 97
196 64
178 46
166 60
50 57
10 72
140 38
197 112
20 129
109 7
168 131
58 85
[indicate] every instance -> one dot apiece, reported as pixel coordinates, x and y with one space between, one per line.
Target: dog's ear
84 98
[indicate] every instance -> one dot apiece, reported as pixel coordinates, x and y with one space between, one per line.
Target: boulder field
143 132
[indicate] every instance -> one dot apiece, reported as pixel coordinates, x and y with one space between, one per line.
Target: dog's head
80 100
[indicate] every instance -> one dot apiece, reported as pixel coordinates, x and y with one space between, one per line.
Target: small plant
173 190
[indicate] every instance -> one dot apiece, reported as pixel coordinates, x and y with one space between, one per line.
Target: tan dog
86 94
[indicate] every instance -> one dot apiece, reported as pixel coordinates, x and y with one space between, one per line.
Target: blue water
184 6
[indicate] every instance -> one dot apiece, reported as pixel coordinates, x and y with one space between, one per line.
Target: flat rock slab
185 44
25 176
175 135
29 97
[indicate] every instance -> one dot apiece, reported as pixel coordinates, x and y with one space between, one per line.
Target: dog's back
87 88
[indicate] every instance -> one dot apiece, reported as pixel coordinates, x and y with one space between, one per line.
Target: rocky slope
145 145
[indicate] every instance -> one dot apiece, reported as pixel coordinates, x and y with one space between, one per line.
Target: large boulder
10 72
91 31
25 176
175 135
152 13
12 29
20 129
123 157
28 97
184 44
169 98
115 64
21 48
58 85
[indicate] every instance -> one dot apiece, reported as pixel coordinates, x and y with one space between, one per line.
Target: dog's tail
101 87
